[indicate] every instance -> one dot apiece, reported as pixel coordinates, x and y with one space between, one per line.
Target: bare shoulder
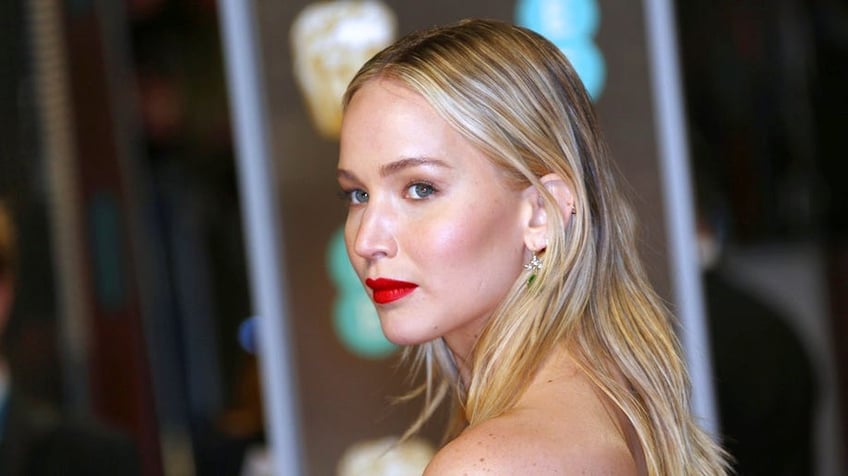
510 445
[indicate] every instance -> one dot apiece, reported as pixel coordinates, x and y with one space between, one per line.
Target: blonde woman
490 233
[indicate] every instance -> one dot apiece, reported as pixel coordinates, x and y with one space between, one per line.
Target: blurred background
130 282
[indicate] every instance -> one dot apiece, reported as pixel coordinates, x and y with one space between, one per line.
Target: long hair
513 94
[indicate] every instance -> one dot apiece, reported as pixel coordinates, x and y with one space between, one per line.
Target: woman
490 233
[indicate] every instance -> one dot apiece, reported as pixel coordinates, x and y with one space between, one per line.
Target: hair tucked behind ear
515 96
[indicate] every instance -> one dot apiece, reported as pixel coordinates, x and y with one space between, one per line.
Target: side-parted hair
513 94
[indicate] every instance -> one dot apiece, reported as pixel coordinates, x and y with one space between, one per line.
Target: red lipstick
389 290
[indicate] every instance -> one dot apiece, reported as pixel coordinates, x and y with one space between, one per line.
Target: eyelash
429 185
346 195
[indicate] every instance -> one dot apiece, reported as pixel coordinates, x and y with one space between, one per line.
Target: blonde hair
515 96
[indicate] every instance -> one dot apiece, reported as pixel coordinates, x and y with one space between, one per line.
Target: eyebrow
399 165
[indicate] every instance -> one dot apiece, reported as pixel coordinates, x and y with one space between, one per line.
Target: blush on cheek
452 241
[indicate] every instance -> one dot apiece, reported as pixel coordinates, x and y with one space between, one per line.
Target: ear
536 233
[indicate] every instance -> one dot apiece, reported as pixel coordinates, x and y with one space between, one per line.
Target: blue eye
355 197
418 191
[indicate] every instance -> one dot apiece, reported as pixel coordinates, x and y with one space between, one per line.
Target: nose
373 235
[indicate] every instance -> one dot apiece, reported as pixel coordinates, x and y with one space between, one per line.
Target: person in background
489 230
766 386
36 440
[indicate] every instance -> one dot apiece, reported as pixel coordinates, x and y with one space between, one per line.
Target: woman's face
433 229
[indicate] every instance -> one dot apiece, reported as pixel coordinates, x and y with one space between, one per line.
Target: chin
401 335
402 339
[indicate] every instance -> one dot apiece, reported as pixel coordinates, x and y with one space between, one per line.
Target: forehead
385 121
382 106
389 96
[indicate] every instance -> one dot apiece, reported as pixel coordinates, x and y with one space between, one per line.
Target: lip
389 290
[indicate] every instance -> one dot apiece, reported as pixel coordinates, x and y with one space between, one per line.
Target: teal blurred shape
588 62
559 20
338 263
355 319
570 25
358 326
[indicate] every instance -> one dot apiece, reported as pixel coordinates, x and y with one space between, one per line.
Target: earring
534 265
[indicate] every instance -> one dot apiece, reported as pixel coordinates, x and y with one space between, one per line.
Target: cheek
442 237
444 242
466 239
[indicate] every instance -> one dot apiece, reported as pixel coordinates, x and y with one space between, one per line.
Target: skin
429 208
560 426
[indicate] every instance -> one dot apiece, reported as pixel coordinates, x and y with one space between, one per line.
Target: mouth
389 290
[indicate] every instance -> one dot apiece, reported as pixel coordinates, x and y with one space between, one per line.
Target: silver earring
534 265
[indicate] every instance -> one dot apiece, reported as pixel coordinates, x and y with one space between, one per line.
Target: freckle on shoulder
489 448
502 447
